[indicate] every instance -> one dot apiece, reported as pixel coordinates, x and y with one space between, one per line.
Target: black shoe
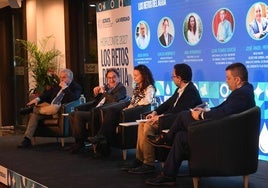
159 140
26 110
161 180
26 143
143 169
76 148
96 139
134 164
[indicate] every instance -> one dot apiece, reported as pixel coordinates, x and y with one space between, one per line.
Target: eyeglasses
111 78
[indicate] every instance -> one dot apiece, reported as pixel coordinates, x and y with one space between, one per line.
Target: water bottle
154 104
82 99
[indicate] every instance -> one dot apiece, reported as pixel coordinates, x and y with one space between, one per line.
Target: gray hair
68 72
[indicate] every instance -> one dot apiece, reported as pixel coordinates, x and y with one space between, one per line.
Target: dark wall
81 49
81 45
11 74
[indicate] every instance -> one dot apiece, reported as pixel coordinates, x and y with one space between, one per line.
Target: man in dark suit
186 96
114 91
67 89
166 38
241 99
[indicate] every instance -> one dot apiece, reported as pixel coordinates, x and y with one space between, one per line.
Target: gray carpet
49 164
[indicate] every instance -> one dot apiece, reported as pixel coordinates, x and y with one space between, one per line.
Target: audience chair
125 136
94 124
57 125
225 147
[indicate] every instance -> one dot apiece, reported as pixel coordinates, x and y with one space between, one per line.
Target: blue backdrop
207 55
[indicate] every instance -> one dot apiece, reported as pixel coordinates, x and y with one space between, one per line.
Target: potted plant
42 63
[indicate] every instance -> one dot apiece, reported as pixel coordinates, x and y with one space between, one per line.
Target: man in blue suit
241 99
66 91
258 28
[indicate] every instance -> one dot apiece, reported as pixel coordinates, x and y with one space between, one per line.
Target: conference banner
204 34
208 35
114 38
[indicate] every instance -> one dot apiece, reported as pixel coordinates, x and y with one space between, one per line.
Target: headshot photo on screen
257 22
192 29
142 35
166 32
223 25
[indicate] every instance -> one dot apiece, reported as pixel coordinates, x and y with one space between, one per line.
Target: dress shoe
134 164
26 143
161 180
159 140
26 110
143 169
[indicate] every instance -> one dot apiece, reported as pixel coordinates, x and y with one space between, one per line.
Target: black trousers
78 122
179 150
111 120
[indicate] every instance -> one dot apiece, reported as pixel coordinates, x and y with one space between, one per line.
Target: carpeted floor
49 164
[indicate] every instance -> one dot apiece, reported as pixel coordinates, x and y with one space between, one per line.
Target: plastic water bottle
154 104
82 99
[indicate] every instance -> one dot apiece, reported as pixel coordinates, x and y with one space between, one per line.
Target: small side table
126 136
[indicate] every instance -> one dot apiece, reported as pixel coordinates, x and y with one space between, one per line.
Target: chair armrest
132 114
86 107
69 107
227 146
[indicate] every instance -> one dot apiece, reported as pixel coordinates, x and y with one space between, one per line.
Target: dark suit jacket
115 95
162 39
238 101
71 93
189 99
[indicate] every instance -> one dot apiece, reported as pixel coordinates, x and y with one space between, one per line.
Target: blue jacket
238 101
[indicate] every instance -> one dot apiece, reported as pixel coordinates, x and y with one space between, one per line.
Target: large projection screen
212 45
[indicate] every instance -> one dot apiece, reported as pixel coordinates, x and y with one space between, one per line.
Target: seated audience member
67 91
143 94
113 91
186 96
241 99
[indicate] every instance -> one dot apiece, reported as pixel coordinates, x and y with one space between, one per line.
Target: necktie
58 98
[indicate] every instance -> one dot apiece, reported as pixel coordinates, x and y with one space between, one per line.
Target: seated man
241 99
143 95
65 92
114 91
186 96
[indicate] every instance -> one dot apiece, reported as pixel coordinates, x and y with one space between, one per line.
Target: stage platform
47 164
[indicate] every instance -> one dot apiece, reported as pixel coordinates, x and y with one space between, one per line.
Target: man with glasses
113 91
186 96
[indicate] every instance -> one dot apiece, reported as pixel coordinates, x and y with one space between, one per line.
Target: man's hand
151 115
34 101
98 89
196 112
63 85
